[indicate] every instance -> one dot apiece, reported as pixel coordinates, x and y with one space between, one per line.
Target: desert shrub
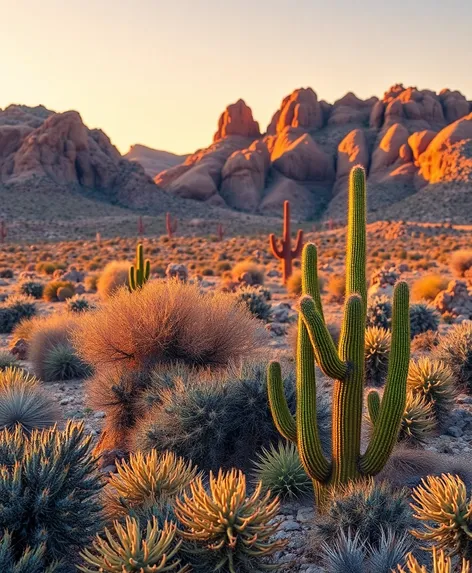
55 507
145 481
433 380
248 272
6 273
445 510
24 402
249 518
50 349
255 300
166 322
376 352
461 262
428 287
350 554
51 290
294 284
31 288
91 281
379 312
48 267
425 342
28 561
64 293
13 310
78 304
336 287
114 276
418 421
61 362
455 350
127 549
280 471
7 360
365 508
423 317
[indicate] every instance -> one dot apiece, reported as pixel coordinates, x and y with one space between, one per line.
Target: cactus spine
285 252
345 366
139 272
171 225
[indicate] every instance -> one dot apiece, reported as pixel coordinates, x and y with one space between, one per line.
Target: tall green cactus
139 273
345 365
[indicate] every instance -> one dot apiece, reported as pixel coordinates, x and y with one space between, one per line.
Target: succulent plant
127 550
255 299
146 480
78 304
24 402
423 317
14 309
433 380
280 471
377 352
418 421
8 360
61 362
30 561
31 288
441 564
379 312
455 350
442 504
227 529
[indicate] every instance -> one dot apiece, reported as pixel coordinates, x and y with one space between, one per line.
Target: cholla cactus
127 550
146 480
226 526
442 504
441 564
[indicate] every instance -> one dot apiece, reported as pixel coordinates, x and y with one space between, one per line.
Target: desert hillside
153 160
415 144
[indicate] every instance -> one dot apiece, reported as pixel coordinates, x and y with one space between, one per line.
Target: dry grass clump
336 288
428 287
248 272
461 262
168 322
113 276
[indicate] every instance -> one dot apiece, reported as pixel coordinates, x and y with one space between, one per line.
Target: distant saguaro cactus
220 231
139 273
285 253
3 231
141 228
171 225
346 366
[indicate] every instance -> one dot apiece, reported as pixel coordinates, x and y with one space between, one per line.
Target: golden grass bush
114 276
249 272
428 287
461 262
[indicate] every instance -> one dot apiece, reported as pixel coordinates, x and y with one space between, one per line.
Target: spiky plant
433 380
139 272
31 288
127 550
78 304
441 564
7 360
14 309
280 471
392 549
345 366
61 362
49 483
226 528
442 505
24 402
418 421
423 317
146 480
377 352
30 561
255 300
379 312
455 350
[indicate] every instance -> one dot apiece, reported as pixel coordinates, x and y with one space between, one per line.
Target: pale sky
160 72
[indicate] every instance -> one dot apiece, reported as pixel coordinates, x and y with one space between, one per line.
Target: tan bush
336 288
428 287
248 272
51 290
113 276
461 261
168 322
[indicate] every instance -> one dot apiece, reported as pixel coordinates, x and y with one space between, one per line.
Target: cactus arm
373 406
309 443
147 269
278 253
283 419
323 345
310 283
131 278
356 282
393 402
296 251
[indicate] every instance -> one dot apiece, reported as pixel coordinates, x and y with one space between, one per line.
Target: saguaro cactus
345 365
285 252
171 225
3 231
139 273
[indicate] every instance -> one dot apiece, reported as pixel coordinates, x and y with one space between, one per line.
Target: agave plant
226 529
146 480
441 503
441 564
377 351
418 421
127 550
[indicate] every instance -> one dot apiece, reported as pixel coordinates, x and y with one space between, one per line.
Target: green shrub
423 317
13 310
55 507
455 350
418 421
376 352
379 312
78 304
256 301
62 363
31 288
6 273
7 360
51 290
28 561
280 470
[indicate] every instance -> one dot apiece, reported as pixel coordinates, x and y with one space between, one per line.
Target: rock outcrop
237 120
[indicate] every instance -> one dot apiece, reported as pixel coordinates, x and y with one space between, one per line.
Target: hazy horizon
159 74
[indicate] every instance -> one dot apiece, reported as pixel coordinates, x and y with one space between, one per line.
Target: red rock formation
300 109
237 120
352 151
387 153
351 109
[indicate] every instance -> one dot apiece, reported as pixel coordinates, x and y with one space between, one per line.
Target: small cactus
285 252
139 272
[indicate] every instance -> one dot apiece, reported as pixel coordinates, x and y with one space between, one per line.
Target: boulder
419 141
237 120
300 109
388 149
